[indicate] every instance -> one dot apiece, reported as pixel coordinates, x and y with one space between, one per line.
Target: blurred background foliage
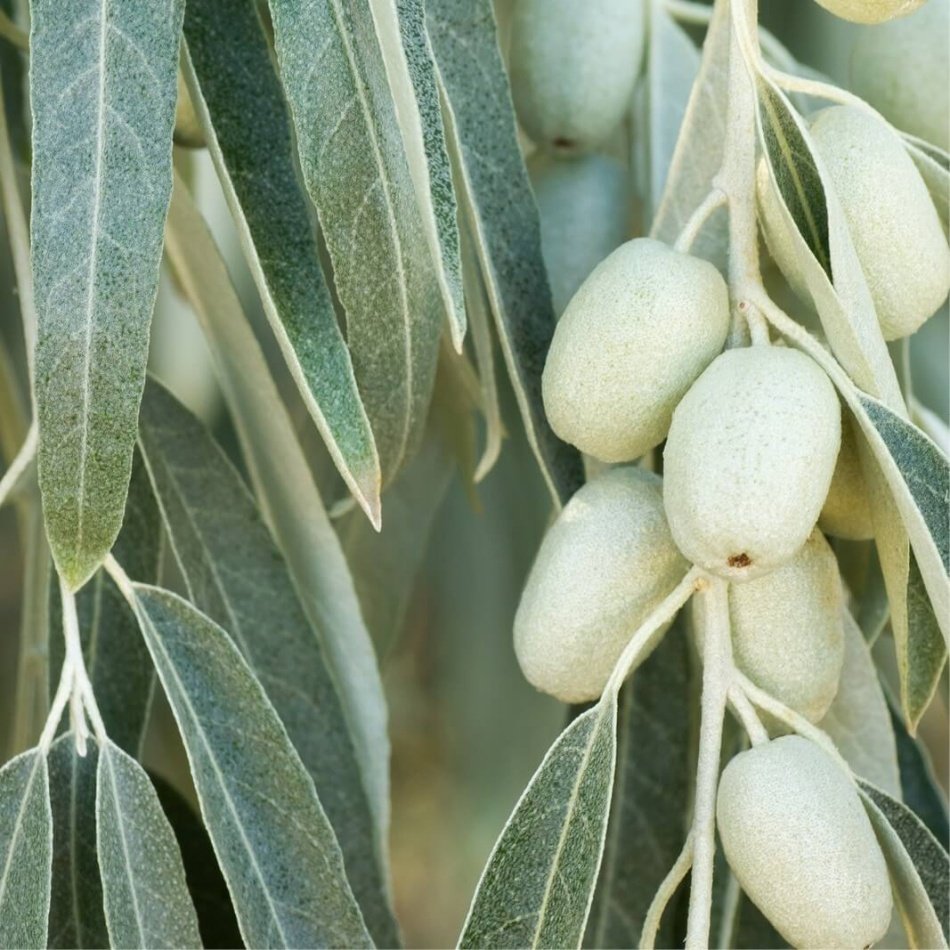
440 585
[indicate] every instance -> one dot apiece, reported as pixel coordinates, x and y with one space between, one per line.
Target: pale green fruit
584 209
870 11
802 847
572 67
787 630
641 328
847 509
606 563
749 459
903 70
891 217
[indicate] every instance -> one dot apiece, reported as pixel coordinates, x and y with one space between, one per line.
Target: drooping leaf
274 843
103 91
815 225
537 887
143 883
858 719
918 474
117 660
238 97
76 918
355 168
697 158
672 66
919 868
287 494
206 884
496 201
650 798
26 848
934 167
235 575
409 61
920 790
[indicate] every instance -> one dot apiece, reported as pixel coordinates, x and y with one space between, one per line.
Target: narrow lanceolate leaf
411 69
934 166
103 91
650 798
919 868
355 168
26 847
117 660
239 100
288 496
143 882
495 196
76 918
795 173
274 843
537 888
918 474
828 264
858 720
235 574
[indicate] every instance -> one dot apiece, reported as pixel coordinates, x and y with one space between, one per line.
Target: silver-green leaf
144 892
26 849
274 844
496 199
235 575
76 919
537 887
355 168
919 868
103 92
237 94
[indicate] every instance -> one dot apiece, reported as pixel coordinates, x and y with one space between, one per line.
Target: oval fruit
584 206
901 246
606 563
870 11
572 68
902 69
800 844
632 340
787 630
847 509
749 459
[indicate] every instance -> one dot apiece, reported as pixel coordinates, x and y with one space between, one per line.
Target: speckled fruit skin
870 11
847 510
749 459
787 631
802 847
583 205
902 69
606 563
891 217
635 336
572 68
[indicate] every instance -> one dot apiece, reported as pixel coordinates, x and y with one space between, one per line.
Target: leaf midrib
18 827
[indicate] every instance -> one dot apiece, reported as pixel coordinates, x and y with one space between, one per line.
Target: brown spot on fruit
740 560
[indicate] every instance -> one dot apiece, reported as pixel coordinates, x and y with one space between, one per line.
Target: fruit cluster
757 463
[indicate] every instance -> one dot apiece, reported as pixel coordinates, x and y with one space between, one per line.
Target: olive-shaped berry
891 217
847 509
584 207
573 66
632 340
902 69
749 459
802 847
787 629
870 11
606 563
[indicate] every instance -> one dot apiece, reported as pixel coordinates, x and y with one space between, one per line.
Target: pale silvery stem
666 890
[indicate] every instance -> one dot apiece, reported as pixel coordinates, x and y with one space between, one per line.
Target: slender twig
13 34
718 672
19 466
666 890
747 716
63 692
706 208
